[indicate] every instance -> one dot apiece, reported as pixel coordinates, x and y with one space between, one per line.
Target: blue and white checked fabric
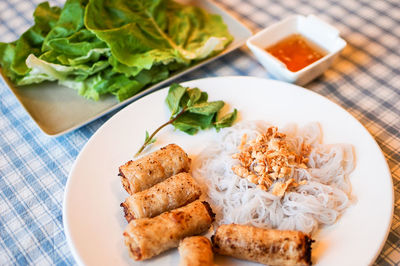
34 167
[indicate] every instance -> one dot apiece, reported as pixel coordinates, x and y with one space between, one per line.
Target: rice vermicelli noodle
321 200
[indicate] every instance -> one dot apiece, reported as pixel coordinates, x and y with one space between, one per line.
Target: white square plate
57 109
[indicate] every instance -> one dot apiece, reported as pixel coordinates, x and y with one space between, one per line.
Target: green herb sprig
190 112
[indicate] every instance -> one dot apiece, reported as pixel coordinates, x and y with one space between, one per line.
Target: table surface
364 80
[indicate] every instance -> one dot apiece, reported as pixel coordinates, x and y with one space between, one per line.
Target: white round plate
94 221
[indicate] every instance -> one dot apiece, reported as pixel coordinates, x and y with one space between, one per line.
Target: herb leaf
191 112
226 121
206 108
203 97
147 138
191 122
174 97
194 95
191 97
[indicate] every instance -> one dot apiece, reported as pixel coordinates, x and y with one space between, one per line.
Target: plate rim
187 83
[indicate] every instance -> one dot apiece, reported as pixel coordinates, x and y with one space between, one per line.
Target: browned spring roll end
128 215
307 246
125 181
209 210
214 243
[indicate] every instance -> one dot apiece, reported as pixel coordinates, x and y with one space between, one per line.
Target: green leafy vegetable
192 96
191 123
191 112
141 33
226 121
174 97
147 138
120 47
69 22
206 108
13 55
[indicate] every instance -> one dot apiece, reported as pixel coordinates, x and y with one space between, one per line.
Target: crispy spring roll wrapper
153 168
172 193
147 237
196 251
272 247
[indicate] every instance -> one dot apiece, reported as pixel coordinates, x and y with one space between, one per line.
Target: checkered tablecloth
365 80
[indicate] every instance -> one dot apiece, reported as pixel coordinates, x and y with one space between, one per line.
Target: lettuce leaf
43 70
101 46
69 22
14 54
81 47
142 33
68 42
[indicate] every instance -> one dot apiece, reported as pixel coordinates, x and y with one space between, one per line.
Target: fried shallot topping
268 162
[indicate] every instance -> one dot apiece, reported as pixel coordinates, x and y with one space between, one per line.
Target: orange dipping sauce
296 52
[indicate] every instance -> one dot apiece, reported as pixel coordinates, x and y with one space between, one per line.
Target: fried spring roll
196 251
147 237
272 247
172 193
153 168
